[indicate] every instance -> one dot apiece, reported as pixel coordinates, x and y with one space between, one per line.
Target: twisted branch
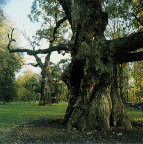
39 51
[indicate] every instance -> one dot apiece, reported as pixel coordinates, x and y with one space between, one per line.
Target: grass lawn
134 114
14 113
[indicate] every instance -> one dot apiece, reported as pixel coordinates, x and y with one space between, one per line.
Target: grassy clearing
134 114
15 113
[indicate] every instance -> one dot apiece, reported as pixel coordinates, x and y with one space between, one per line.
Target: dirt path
52 131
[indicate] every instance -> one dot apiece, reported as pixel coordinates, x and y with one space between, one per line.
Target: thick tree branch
42 51
35 52
128 44
39 62
66 4
137 19
129 57
57 26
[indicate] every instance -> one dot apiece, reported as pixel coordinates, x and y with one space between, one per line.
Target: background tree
51 33
51 14
59 90
9 63
28 87
137 83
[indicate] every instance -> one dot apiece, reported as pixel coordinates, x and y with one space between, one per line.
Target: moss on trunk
91 76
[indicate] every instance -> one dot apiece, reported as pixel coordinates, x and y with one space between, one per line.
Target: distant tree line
28 86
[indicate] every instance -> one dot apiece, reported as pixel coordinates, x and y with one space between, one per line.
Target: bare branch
10 39
28 39
35 65
39 62
12 32
40 51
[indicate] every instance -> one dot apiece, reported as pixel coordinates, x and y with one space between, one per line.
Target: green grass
134 114
12 114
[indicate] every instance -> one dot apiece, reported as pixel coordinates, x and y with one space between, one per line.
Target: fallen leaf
119 134
89 133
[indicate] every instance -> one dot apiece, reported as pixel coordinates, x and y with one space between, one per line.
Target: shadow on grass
46 122
137 123
45 105
58 123
50 130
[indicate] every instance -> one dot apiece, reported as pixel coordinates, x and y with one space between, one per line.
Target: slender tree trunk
127 89
45 83
47 80
42 99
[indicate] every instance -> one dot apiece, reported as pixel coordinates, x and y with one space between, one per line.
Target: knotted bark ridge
91 77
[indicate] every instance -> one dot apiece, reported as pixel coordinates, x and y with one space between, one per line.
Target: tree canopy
28 87
9 64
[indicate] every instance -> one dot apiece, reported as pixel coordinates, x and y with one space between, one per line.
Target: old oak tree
91 76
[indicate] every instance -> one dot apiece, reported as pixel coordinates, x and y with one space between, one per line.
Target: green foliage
121 17
28 87
9 64
58 87
137 83
49 12
16 113
132 82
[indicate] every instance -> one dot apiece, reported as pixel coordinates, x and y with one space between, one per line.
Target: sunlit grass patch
12 114
15 113
134 114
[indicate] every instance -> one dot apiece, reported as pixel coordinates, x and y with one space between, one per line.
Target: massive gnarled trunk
91 77
94 101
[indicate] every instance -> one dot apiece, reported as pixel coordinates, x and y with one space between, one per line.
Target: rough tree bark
45 83
91 77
